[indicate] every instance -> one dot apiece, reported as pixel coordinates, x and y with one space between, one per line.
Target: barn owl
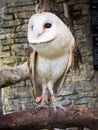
52 53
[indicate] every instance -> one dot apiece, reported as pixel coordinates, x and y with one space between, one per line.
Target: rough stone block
7 30
11 23
21 40
20 35
86 100
5 54
7 41
7 17
3 36
85 11
21 9
22 28
23 15
10 60
12 106
81 6
19 3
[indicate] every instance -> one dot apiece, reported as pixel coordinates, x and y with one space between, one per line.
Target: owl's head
43 27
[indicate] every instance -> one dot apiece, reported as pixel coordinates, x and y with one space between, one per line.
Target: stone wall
13 38
81 87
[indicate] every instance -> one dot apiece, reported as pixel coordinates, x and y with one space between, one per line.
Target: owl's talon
56 105
35 108
40 102
41 105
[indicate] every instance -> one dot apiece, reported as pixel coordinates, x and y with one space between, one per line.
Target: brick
23 15
21 9
9 24
7 17
5 54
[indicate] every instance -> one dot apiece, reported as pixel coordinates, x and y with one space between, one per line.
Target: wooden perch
13 75
45 118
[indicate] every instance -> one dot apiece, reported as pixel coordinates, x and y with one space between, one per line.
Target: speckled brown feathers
76 56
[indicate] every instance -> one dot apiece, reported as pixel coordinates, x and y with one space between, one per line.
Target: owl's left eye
48 25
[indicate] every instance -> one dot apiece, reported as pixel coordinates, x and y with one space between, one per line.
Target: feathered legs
43 98
50 87
54 103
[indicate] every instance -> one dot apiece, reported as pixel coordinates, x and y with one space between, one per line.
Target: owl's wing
75 56
74 59
31 60
31 64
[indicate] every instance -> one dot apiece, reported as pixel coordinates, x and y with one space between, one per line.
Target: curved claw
56 105
40 105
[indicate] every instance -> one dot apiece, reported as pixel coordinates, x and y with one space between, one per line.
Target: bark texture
45 118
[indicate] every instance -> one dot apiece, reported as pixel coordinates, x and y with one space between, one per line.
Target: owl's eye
48 25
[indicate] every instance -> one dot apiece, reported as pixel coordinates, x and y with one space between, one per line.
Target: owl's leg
54 103
50 87
42 100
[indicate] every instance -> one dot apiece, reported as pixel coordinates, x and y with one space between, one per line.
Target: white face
43 27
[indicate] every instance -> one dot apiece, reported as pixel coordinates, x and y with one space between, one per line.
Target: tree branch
13 75
45 118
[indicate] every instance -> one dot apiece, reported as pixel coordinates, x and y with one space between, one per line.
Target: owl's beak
41 33
37 33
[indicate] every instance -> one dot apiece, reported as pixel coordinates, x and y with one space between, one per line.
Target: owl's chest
51 69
